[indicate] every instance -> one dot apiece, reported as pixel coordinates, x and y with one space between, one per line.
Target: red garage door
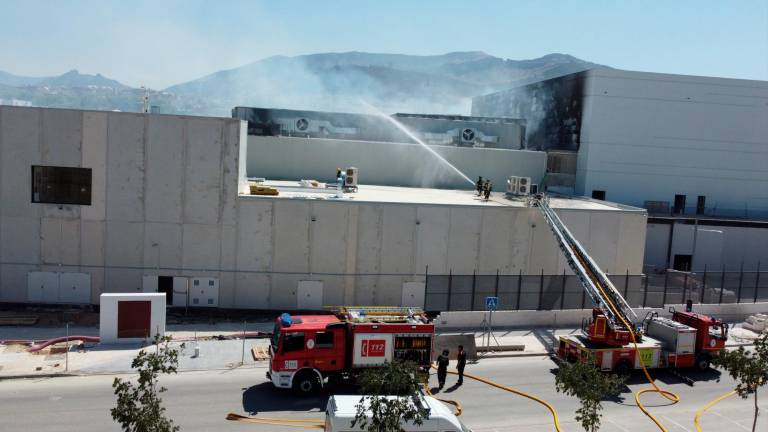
133 318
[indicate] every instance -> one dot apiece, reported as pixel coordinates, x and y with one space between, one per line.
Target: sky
161 43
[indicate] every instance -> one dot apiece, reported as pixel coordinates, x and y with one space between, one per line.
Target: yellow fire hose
701 412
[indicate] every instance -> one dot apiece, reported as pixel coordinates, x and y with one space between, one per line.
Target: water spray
413 136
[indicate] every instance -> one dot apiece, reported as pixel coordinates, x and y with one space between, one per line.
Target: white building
94 202
680 145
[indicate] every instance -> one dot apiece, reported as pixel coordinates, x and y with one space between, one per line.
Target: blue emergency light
286 319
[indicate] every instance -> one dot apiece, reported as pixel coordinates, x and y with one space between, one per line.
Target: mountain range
327 81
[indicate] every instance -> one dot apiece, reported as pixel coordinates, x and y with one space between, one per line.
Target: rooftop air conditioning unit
512 185
468 135
524 186
350 181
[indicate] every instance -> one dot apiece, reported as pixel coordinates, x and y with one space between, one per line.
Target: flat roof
428 196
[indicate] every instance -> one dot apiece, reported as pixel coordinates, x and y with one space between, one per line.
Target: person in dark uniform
488 189
479 186
461 362
442 368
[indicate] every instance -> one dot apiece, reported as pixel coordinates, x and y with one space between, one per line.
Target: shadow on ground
264 397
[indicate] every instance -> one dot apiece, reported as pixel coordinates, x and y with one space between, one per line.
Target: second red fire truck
307 351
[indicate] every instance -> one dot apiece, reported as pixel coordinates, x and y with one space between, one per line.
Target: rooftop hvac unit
524 186
468 135
512 184
350 181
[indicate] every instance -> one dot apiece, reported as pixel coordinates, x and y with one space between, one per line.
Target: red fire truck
686 340
307 351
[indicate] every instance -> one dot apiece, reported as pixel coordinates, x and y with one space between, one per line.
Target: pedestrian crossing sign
491 303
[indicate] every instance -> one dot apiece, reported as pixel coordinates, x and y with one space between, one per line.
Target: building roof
427 196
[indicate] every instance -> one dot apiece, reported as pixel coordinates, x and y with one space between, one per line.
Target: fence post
645 291
562 293
757 281
519 288
741 280
703 286
474 285
664 297
541 288
496 285
450 281
685 287
722 285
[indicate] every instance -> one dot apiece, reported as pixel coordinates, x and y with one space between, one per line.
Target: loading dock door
133 319
309 295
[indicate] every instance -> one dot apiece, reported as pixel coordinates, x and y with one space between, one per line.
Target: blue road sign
491 303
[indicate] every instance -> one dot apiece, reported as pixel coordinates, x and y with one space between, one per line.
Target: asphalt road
199 401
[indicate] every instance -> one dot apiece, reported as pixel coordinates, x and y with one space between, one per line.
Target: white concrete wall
648 136
164 194
108 316
715 246
165 202
392 164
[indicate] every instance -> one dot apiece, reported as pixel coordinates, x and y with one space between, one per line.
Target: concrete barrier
735 312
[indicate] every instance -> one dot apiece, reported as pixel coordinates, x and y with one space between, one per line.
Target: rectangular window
293 342
598 195
701 204
61 185
679 207
324 339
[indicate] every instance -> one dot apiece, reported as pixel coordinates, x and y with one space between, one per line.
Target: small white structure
131 317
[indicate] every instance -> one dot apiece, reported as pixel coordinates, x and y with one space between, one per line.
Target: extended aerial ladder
612 311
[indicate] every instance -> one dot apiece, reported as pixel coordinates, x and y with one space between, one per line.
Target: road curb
46 375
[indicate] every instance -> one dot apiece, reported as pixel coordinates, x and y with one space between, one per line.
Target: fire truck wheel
305 382
623 367
702 363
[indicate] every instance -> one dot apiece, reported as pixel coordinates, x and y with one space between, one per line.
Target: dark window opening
701 204
598 195
165 285
293 342
324 339
679 207
682 263
61 185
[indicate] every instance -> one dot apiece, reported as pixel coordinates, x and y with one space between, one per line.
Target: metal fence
556 292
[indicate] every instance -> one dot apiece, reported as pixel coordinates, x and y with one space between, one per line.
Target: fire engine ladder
592 278
382 313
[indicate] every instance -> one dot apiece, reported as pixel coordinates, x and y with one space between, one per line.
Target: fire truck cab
306 351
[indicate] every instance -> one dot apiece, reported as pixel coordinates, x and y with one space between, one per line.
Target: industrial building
96 202
691 150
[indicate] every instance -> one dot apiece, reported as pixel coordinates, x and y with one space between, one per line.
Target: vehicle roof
311 322
344 406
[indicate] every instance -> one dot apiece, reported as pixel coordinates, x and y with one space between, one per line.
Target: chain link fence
556 292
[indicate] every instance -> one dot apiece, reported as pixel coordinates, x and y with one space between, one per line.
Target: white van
341 411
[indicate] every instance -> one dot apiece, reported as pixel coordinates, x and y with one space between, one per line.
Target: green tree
584 380
749 369
139 406
388 397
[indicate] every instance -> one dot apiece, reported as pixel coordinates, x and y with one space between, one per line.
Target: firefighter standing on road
442 368
461 362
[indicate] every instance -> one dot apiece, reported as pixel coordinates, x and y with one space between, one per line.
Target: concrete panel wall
290 158
164 202
144 217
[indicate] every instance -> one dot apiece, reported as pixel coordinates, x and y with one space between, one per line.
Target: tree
139 406
749 369
387 397
584 380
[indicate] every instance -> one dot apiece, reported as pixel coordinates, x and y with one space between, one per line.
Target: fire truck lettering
373 348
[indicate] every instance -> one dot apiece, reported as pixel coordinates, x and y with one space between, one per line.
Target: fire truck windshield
717 331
